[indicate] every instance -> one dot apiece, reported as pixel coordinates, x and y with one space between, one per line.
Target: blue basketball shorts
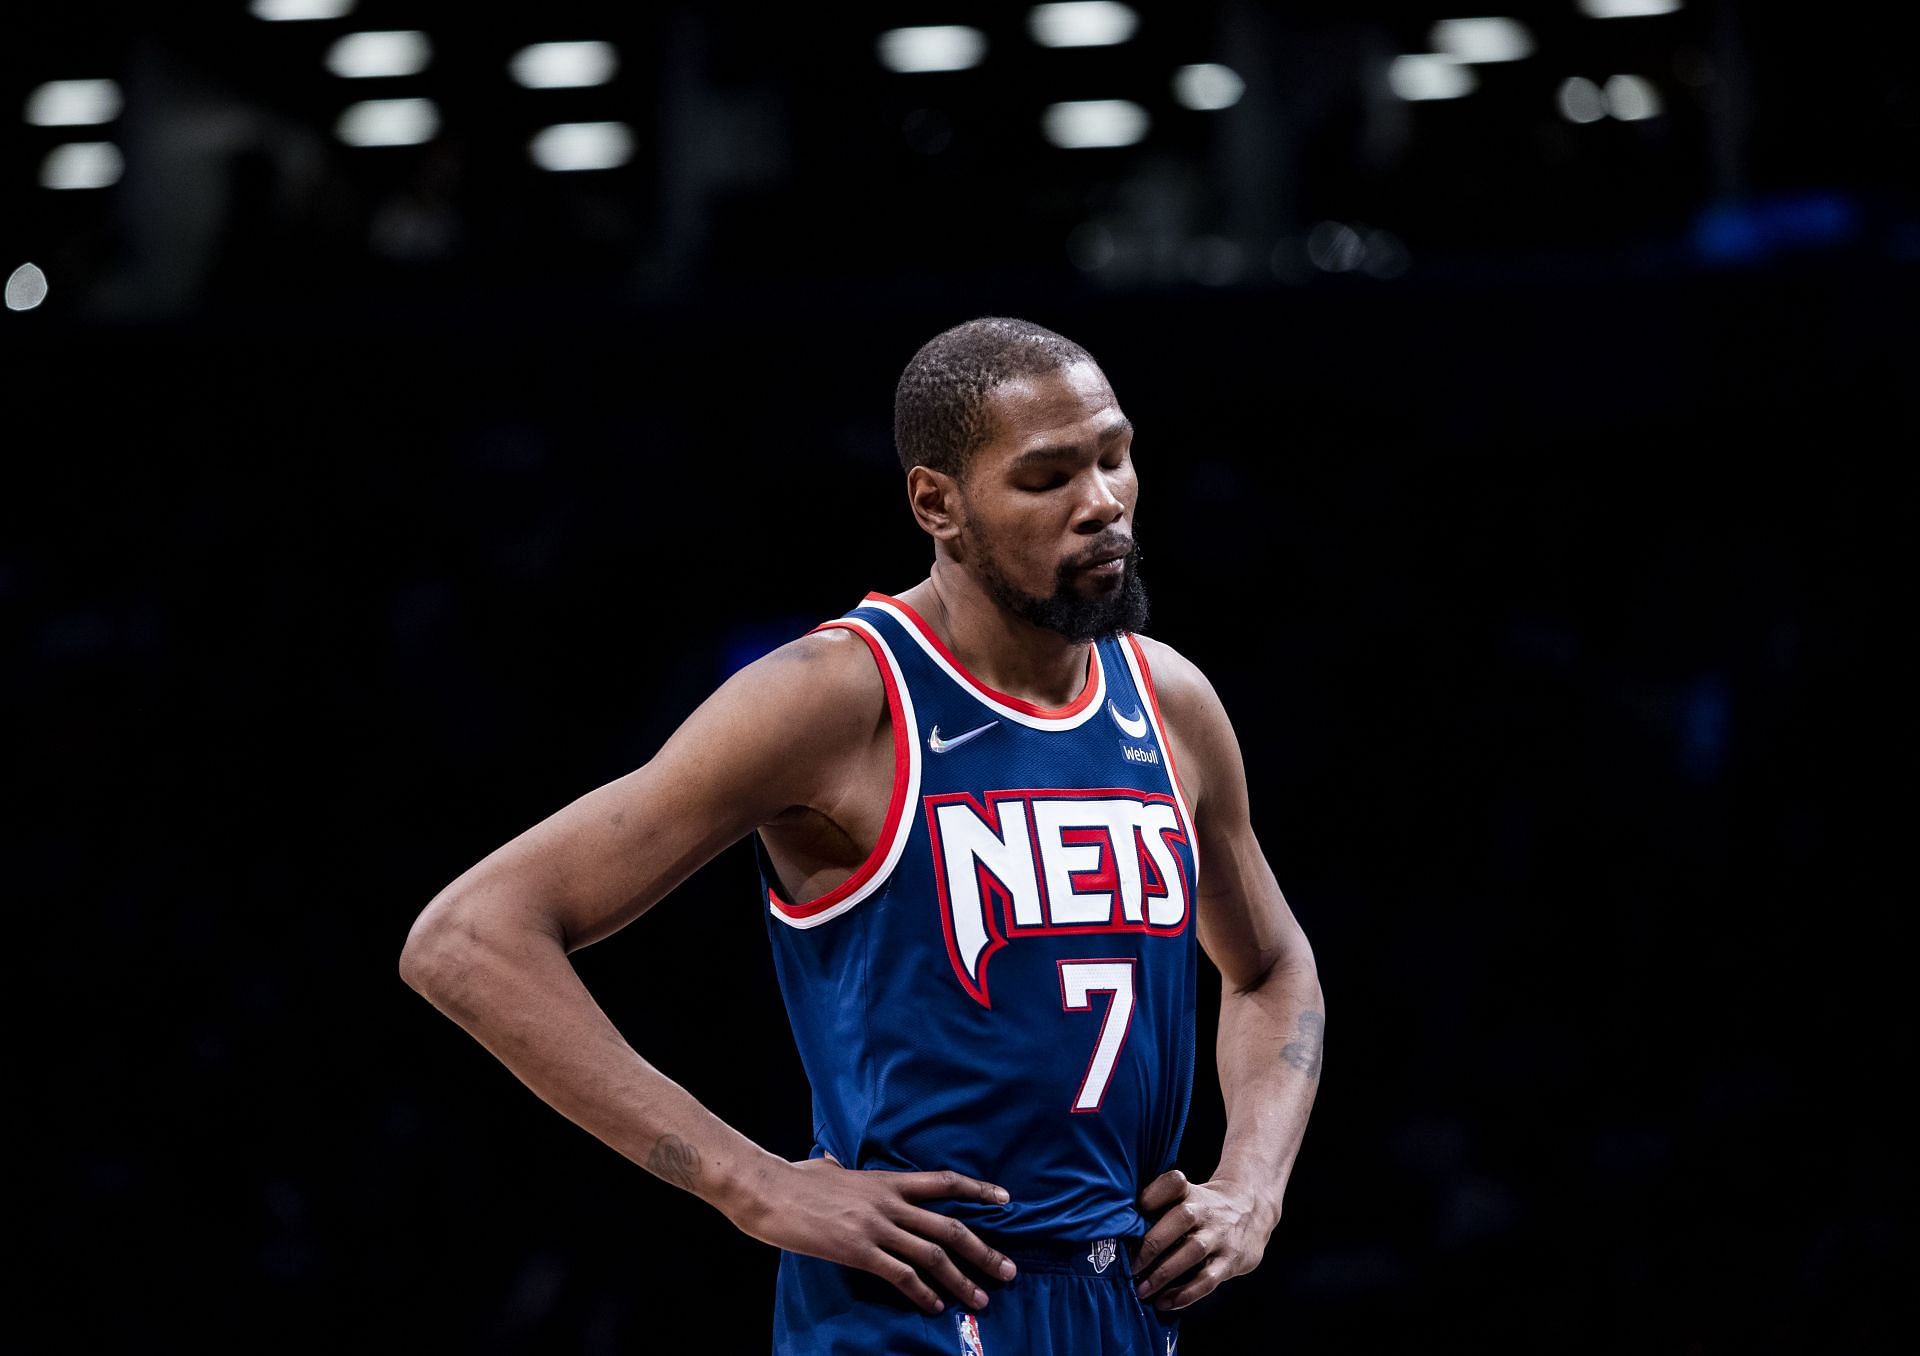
1068 1299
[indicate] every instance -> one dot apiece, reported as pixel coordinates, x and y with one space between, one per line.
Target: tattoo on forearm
1303 1051
674 1160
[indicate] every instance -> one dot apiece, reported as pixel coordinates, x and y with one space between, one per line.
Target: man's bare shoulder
816 690
1183 690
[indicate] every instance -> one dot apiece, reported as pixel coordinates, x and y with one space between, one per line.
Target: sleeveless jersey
1006 986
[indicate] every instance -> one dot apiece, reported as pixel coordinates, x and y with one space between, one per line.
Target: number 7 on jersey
1079 979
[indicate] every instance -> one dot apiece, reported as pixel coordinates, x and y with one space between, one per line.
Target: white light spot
1626 9
376 56
1086 123
82 164
389 122
74 103
564 65
936 47
1429 76
1335 247
583 146
1081 23
1631 98
1208 86
285 10
26 288
1580 100
1482 40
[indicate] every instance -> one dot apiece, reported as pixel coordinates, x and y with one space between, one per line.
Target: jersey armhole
872 872
1160 728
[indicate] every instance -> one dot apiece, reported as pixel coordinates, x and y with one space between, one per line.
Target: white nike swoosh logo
1135 725
939 745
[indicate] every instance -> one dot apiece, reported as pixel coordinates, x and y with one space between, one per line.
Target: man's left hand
1209 1232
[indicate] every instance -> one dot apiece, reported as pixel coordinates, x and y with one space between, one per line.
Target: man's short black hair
940 416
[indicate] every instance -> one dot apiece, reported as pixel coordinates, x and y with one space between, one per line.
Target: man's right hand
869 1220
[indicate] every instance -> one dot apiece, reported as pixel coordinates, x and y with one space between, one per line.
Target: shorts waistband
1077 1257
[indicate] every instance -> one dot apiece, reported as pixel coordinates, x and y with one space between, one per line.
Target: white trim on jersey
974 689
909 808
1151 709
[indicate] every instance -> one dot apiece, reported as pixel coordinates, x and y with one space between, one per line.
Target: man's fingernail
1006 1270
979 1299
1140 1289
938 1306
1000 1195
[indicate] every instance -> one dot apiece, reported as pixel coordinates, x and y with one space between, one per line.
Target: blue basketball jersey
1006 986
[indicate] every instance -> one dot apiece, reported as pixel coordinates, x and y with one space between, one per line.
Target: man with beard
981 807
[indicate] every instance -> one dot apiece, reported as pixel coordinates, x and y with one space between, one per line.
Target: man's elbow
431 954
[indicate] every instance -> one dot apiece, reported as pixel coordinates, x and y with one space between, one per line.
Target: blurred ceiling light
937 47
1482 40
1631 98
1580 100
388 122
583 146
1086 123
26 288
1208 86
1336 247
1428 76
373 56
1081 23
1626 9
74 103
299 9
82 164
564 65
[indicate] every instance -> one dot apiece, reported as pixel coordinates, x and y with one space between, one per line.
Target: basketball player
992 823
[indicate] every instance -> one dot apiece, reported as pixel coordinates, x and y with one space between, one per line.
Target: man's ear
934 497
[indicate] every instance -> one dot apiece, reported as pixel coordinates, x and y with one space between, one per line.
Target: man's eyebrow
1069 451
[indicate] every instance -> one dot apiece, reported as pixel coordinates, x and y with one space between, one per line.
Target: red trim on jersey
1026 708
1146 672
896 805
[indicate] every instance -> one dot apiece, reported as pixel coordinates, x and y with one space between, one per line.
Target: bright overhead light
1481 40
74 103
1427 76
1580 100
564 65
1081 23
82 164
26 288
299 9
388 122
1631 98
375 56
583 146
1086 123
935 47
1626 9
1208 86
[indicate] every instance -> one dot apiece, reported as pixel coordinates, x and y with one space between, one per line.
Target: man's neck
1006 652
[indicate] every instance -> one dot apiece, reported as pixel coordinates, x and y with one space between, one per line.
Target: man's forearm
515 991
1269 1056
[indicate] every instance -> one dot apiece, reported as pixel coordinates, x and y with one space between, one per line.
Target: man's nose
1104 505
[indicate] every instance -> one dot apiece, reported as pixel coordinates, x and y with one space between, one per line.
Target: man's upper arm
774 735
1245 924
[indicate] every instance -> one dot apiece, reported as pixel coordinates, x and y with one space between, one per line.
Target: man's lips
1109 561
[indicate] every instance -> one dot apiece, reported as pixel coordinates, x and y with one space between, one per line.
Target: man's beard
1065 610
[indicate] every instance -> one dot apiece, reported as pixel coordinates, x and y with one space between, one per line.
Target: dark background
1540 533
